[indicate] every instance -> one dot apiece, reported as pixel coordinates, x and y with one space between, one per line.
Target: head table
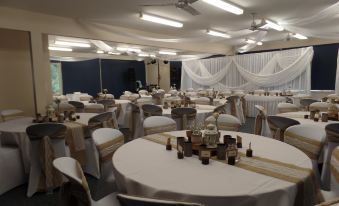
143 167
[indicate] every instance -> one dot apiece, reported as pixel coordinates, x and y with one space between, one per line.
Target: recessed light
225 6
160 20
259 43
217 33
53 48
100 52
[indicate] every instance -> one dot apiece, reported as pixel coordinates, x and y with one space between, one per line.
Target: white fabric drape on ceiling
287 69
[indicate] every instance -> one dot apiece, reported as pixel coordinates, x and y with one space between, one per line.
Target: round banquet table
270 103
203 111
144 168
13 133
299 116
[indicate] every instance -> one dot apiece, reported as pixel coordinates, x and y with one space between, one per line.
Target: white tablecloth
145 168
203 111
13 132
269 102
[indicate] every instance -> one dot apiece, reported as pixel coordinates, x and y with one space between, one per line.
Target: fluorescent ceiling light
225 6
143 55
128 49
160 20
75 44
167 53
273 25
219 34
53 48
100 52
299 36
114 53
259 43
250 41
101 45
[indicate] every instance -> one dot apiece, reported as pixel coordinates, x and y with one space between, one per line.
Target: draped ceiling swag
312 18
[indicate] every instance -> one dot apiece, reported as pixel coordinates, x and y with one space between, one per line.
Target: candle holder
188 150
249 151
239 141
168 145
205 156
324 117
306 116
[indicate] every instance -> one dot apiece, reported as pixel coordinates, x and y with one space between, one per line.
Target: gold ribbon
75 138
160 129
335 164
107 149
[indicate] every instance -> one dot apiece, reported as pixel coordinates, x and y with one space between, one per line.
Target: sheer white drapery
287 69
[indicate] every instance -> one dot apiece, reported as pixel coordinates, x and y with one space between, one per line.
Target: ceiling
126 14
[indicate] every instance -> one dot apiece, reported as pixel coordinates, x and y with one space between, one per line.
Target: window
56 78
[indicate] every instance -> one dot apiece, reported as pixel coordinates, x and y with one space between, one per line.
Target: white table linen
157 173
270 103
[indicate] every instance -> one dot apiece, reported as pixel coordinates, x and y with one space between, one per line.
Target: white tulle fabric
288 69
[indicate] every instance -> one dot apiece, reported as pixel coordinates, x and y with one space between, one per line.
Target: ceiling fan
257 26
181 4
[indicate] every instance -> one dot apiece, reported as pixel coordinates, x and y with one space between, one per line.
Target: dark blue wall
175 72
324 65
83 76
117 76
120 75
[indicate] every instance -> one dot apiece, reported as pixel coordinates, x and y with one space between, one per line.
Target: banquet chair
158 124
107 141
105 119
259 92
221 109
332 141
65 107
173 92
235 107
278 125
94 108
151 110
109 104
143 92
308 139
102 96
127 200
184 115
47 142
85 97
157 98
305 103
320 106
225 122
11 169
190 90
79 106
203 101
261 126
133 112
287 107
9 114
76 191
202 93
144 100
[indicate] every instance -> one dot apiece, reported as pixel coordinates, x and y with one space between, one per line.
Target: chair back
94 108
151 110
158 98
306 103
85 97
127 200
220 109
225 122
143 92
287 107
185 114
107 141
190 90
203 101
320 106
134 117
79 106
65 107
75 192
261 126
108 103
278 125
106 119
158 124
233 103
47 142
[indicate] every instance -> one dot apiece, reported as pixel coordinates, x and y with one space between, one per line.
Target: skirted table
278 174
270 103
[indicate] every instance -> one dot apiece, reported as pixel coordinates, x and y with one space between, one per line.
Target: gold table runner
308 188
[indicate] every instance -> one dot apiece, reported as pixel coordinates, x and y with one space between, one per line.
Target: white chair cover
261 125
94 108
143 92
225 122
287 107
202 101
11 169
158 124
308 139
321 106
190 90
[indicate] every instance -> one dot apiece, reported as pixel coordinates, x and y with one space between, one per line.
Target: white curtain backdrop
287 69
